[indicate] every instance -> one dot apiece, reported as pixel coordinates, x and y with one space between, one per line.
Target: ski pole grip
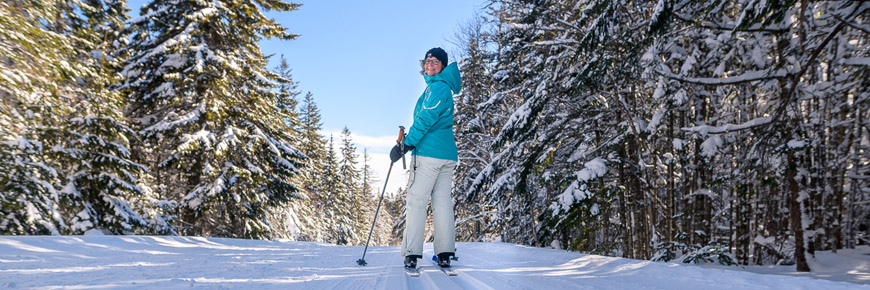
401 142
401 139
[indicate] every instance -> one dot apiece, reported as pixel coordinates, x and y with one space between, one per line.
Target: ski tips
361 262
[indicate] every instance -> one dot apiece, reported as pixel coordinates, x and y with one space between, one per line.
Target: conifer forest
735 132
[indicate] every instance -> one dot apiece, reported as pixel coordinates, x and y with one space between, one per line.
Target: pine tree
348 167
286 98
352 186
291 221
204 104
368 176
72 169
382 232
102 189
337 204
34 79
313 145
476 122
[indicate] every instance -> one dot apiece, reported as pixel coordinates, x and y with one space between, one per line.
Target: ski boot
411 261
443 259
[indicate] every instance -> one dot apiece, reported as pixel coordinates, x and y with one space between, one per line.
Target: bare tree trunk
533 222
743 219
624 212
796 215
669 219
854 193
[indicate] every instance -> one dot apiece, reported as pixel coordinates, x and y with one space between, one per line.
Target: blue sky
360 59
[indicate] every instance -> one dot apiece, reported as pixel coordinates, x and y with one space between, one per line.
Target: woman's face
432 66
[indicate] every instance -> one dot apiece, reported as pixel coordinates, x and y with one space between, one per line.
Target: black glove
397 152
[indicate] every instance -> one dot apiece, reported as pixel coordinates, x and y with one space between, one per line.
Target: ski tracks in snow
460 281
144 262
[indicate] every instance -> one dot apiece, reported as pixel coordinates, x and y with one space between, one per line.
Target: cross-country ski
449 270
412 271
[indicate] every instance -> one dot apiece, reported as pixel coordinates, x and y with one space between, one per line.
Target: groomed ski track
156 262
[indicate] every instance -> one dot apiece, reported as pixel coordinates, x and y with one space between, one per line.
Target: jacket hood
449 75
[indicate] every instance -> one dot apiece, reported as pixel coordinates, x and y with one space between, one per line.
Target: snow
195 198
680 98
650 54
708 193
94 232
796 144
660 89
578 191
710 147
748 76
865 61
656 120
706 129
201 15
202 137
161 262
593 169
679 144
688 65
169 123
764 240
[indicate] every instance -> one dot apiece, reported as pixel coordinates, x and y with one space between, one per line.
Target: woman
434 159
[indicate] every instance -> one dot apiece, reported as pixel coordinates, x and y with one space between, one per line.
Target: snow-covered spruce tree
394 203
38 69
102 187
367 175
313 145
337 206
576 120
486 184
204 104
287 99
70 168
475 125
382 233
347 168
290 221
351 179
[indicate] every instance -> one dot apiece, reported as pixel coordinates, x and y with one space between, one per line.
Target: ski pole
401 142
362 261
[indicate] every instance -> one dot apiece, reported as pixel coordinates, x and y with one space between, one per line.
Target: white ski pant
430 177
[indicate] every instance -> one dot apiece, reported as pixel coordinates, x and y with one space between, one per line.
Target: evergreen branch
704 130
717 26
750 76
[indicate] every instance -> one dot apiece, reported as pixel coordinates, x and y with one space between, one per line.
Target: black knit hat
438 53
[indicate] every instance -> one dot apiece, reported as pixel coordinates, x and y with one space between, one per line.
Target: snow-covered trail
156 262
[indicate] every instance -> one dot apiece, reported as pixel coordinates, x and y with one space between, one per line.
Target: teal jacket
432 131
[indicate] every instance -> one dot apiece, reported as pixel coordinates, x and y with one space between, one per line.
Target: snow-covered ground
158 262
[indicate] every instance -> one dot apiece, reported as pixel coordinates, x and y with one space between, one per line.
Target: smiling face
432 66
